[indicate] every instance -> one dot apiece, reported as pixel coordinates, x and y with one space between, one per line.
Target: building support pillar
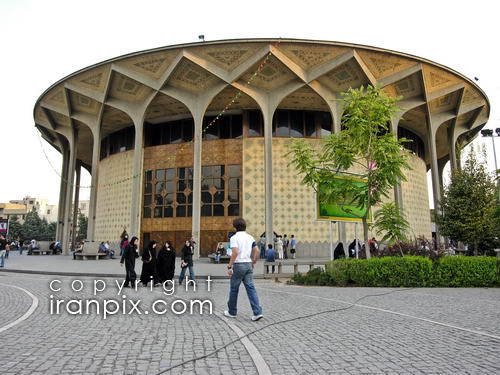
75 206
343 238
398 191
96 153
197 149
268 173
452 147
62 191
73 141
434 175
136 179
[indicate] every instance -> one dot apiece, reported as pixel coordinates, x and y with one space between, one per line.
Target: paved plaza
306 330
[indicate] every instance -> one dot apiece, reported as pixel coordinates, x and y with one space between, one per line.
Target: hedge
408 271
463 271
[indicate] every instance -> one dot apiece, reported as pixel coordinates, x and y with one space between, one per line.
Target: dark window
119 141
255 124
224 127
281 124
173 195
414 144
299 124
168 132
310 124
296 124
325 123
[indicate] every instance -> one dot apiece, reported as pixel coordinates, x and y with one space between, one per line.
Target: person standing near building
270 257
4 246
130 253
149 264
286 243
166 262
279 247
187 253
262 244
293 246
245 253
123 243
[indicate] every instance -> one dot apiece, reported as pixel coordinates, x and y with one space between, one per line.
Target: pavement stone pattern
356 340
13 304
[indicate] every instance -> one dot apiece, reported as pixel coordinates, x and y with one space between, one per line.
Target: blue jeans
183 273
243 272
2 258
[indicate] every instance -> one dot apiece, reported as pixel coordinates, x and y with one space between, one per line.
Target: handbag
184 264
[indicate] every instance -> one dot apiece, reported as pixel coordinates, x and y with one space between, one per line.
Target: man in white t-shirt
243 257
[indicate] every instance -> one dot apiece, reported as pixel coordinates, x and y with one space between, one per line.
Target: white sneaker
257 317
226 313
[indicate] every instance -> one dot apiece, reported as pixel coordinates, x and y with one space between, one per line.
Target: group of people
158 261
7 245
105 248
281 246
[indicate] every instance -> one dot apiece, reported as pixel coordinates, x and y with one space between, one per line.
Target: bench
89 250
294 263
223 258
43 248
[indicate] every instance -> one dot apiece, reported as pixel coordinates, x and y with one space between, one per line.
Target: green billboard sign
343 208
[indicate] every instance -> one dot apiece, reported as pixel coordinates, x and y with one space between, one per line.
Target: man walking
243 257
4 246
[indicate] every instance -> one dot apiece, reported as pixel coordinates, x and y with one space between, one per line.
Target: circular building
180 140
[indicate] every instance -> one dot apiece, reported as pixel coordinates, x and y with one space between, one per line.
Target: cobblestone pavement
390 331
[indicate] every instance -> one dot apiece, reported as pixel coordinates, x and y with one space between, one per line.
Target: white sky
43 41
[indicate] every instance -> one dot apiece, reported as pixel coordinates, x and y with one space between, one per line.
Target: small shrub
408 271
463 271
316 276
387 271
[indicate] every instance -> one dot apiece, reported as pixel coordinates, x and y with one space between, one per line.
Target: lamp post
489 133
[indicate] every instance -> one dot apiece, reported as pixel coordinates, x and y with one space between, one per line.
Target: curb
114 275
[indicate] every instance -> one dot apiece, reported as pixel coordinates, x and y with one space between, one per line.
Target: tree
364 144
469 205
32 227
15 227
51 230
391 223
82 226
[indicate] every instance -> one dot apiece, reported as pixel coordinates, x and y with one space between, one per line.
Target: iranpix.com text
121 304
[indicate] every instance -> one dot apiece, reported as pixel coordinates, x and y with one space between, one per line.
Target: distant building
7 210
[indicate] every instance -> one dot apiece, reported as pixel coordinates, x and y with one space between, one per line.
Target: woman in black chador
129 254
149 264
165 265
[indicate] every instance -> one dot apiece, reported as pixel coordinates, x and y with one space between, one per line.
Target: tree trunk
365 234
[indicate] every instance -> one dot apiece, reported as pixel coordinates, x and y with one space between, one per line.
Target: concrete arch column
96 153
76 201
72 138
62 189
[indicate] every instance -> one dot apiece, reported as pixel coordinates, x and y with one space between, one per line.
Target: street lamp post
489 133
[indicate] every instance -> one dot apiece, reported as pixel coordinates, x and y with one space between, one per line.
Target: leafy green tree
51 230
33 226
364 144
82 226
469 207
391 223
15 227
44 231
